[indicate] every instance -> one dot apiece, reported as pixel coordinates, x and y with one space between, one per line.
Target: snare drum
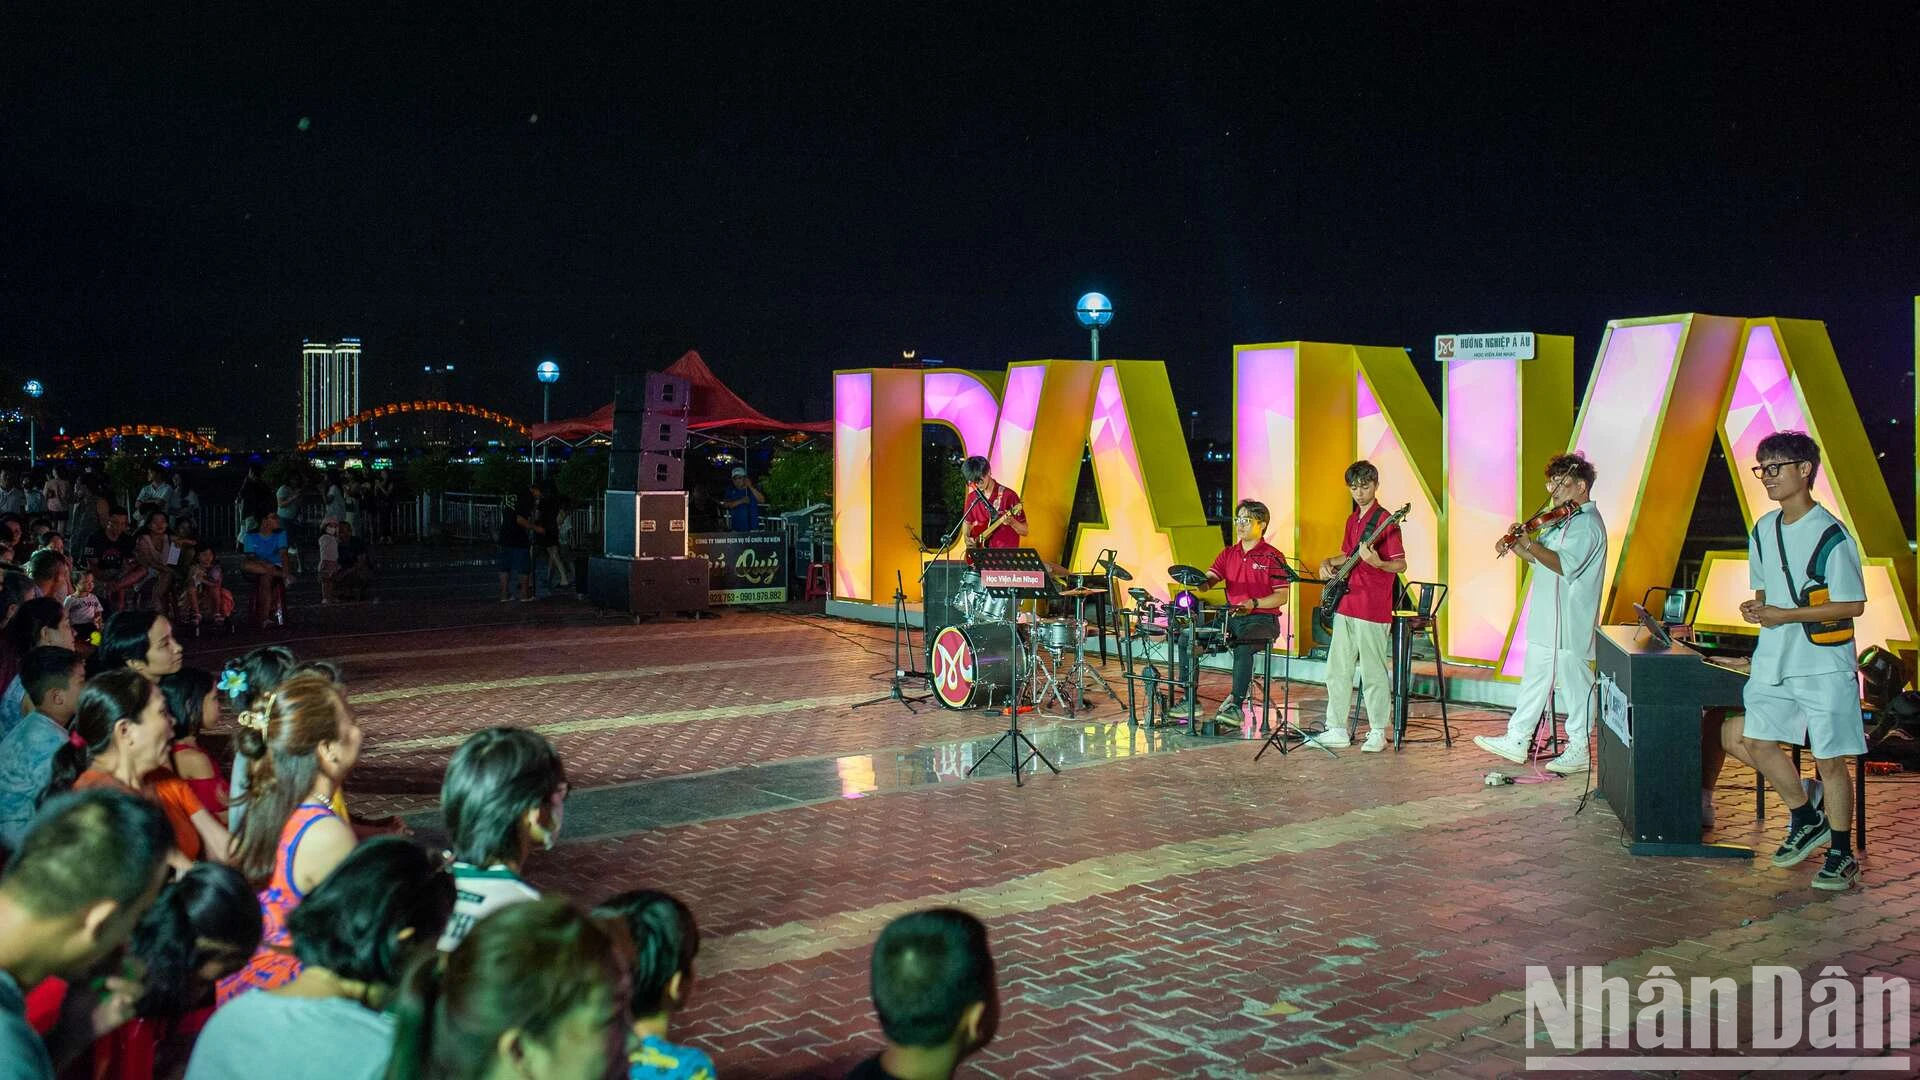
971 666
1059 635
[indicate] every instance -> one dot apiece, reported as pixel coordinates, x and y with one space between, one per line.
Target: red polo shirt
1369 588
1251 575
1002 500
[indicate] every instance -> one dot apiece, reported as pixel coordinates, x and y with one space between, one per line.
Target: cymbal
1188 576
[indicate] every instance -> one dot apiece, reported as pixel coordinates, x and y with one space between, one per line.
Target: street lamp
548 373
1094 311
34 389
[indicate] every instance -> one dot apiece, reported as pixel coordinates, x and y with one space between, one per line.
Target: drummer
1255 574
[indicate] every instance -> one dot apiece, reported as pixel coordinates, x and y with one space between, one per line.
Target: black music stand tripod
1022 752
900 674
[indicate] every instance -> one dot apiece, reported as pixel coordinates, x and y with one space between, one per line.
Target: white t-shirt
478 893
1784 651
1574 593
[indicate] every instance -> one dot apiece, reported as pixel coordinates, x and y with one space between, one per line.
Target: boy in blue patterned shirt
665 941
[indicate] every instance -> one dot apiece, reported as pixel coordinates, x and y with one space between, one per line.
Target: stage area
1166 906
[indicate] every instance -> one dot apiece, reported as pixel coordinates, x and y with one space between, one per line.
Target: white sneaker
1568 764
1376 742
1511 749
1334 737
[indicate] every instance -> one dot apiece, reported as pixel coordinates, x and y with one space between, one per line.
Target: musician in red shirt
1364 614
1256 576
994 515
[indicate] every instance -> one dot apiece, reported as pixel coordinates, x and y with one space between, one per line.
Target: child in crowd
84 610
665 941
205 598
53 678
933 987
192 699
505 791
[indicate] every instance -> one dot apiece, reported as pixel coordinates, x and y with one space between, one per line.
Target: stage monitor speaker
943 581
660 525
663 586
662 472
668 393
660 432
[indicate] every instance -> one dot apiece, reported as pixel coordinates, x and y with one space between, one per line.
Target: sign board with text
1517 345
748 568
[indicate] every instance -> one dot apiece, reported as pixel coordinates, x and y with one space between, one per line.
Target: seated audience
119 739
301 741
665 941
248 682
156 553
40 621
265 564
504 792
53 678
204 596
191 700
933 988
140 641
536 990
355 937
84 609
51 571
110 554
86 871
354 577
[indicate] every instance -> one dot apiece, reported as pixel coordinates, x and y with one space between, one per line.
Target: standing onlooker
266 551
35 497
743 502
13 498
355 937
300 745
90 512
533 991
86 871
546 536
505 791
53 678
287 502
56 495
187 504
381 523
933 988
329 556
157 495
516 548
665 941
336 498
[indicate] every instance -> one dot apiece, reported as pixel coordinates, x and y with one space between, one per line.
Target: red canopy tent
716 410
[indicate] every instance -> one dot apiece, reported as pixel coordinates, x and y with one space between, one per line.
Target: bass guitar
1337 585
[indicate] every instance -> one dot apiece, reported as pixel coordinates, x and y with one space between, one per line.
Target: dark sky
790 190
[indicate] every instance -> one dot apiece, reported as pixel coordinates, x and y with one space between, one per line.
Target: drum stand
1081 671
1020 752
900 674
1285 730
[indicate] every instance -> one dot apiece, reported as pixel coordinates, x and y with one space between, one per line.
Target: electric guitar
1337 585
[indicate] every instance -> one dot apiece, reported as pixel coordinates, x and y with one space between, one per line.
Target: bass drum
971 666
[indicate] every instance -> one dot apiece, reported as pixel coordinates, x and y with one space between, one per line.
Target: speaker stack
646 568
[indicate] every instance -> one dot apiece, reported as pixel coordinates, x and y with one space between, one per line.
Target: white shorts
1823 709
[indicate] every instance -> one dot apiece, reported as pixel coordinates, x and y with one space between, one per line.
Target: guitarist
1364 614
1256 577
994 515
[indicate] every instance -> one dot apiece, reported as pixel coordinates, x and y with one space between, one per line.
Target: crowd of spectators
157 919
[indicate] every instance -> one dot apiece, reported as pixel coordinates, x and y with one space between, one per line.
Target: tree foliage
499 474
582 478
436 473
799 477
125 475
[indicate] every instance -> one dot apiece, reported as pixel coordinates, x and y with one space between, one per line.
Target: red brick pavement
1190 914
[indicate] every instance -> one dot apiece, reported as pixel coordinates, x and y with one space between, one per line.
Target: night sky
795 190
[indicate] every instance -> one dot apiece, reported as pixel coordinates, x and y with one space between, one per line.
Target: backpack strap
1835 535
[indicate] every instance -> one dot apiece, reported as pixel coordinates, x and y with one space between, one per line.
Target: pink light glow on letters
960 399
1019 412
1375 441
1264 459
1482 436
1765 401
852 479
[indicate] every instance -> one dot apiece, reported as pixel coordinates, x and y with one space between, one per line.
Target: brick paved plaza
1164 907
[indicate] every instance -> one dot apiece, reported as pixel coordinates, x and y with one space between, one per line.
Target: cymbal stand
1081 670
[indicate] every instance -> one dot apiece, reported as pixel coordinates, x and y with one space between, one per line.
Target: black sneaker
1800 842
1839 873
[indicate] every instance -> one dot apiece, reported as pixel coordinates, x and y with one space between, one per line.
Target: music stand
1020 572
1285 730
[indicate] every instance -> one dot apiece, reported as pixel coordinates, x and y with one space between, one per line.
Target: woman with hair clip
301 742
39 621
535 991
119 739
505 791
139 640
202 926
355 937
665 941
248 682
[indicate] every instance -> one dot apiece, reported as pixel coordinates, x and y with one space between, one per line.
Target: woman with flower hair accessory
248 681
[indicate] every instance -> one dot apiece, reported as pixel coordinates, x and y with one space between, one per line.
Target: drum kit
1003 648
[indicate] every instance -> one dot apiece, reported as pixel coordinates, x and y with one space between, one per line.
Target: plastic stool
819 580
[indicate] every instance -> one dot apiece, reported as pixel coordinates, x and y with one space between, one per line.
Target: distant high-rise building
436 384
330 389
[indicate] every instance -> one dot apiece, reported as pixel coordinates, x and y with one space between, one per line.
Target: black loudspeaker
629 411
662 472
667 394
942 582
617 523
660 525
661 432
661 586
623 470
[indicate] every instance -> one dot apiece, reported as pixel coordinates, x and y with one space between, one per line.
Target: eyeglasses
1243 520
1772 468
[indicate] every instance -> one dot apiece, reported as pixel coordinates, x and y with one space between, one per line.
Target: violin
1552 515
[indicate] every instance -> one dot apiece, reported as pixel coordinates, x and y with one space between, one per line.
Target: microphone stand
894 693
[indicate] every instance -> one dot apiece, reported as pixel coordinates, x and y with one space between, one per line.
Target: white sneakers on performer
1334 736
1567 764
1376 741
1513 750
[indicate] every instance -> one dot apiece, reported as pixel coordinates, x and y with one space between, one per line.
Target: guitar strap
1367 525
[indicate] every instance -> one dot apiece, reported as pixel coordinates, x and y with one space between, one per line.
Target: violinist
1567 545
994 514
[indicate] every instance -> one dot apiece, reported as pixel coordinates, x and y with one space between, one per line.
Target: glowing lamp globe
33 388
1094 309
548 371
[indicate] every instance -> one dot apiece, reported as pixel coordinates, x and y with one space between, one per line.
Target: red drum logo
952 667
